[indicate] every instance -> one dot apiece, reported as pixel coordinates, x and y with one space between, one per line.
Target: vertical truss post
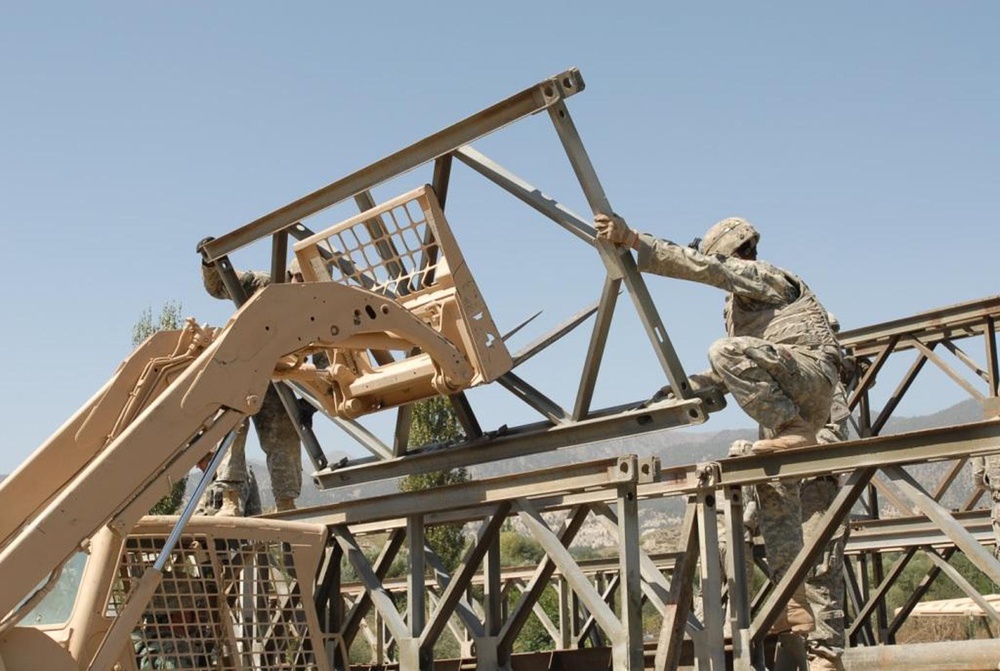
631 578
411 656
442 176
401 435
487 650
279 252
737 586
993 368
710 568
566 632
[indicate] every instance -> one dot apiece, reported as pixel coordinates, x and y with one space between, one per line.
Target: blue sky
861 138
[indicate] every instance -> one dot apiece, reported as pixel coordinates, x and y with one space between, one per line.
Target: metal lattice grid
233 607
393 253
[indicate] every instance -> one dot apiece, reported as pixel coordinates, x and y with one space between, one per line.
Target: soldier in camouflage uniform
986 476
780 362
277 435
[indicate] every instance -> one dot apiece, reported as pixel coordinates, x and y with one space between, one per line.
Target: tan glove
615 230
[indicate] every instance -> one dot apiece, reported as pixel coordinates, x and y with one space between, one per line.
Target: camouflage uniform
780 362
277 435
986 475
211 501
825 582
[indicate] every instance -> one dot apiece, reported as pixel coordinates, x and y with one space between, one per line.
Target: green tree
434 421
517 549
169 320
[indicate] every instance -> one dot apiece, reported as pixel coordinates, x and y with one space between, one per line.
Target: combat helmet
293 269
728 235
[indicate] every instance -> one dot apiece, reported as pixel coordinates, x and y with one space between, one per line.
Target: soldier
986 476
213 500
277 435
780 362
825 581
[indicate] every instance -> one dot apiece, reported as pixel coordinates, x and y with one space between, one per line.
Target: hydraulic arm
171 403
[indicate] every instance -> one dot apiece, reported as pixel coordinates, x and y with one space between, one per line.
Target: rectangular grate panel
222 604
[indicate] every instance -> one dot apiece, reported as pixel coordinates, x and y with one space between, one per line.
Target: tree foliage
169 320
434 421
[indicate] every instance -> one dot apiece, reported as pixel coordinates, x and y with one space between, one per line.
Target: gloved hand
306 412
696 382
200 248
615 230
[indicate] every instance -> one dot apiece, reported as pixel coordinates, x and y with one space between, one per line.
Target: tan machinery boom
110 474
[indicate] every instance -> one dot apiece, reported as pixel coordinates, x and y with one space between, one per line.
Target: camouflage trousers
780 524
825 582
280 443
774 384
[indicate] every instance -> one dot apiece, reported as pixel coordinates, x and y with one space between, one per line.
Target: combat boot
797 617
283 503
796 433
230 503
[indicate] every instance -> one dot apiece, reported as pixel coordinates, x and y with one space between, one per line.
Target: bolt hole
692 413
370 311
567 83
548 91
